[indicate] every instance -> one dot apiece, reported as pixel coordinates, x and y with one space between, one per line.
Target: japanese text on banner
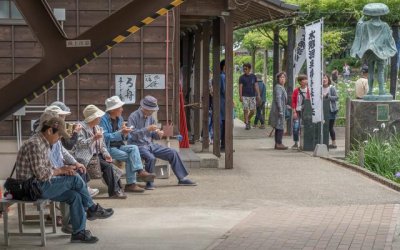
314 69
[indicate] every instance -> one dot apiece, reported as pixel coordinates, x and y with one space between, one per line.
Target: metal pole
322 79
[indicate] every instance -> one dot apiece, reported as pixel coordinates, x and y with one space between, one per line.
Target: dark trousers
151 152
222 133
109 177
331 130
260 115
278 136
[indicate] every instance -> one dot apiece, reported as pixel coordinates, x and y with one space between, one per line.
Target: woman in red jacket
299 95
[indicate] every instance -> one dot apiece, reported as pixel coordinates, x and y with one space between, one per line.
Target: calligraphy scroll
125 88
154 81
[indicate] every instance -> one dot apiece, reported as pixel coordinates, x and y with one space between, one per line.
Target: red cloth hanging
182 123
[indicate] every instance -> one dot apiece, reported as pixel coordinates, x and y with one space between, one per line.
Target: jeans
130 155
153 151
73 191
278 136
296 130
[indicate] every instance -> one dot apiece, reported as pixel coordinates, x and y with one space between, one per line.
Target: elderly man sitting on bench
144 130
59 184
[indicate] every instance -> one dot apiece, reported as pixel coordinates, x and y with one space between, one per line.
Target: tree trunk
265 71
253 60
276 55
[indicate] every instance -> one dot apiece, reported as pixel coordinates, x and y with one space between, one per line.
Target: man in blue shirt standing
249 93
144 130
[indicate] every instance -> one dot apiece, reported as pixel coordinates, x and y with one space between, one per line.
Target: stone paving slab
331 227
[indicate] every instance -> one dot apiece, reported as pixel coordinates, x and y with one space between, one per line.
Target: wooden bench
40 205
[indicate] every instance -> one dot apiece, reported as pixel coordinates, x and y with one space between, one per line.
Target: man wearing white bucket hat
115 134
142 135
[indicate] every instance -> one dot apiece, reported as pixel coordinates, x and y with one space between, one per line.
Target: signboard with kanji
125 88
154 81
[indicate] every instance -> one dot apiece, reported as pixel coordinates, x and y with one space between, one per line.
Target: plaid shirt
33 159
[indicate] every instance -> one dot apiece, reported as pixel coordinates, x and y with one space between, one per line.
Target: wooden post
189 99
185 76
216 38
229 92
289 70
276 57
197 84
206 76
393 64
176 62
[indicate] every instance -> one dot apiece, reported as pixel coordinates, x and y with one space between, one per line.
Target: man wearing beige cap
115 135
59 184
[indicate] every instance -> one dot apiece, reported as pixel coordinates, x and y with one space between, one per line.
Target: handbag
27 190
93 168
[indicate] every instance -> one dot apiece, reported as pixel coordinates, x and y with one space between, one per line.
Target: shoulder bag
28 190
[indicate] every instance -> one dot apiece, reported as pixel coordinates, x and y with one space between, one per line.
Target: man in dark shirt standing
249 93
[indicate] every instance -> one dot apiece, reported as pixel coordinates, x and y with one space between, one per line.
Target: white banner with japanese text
299 53
314 68
125 88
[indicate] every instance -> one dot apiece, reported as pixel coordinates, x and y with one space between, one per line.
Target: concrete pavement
270 200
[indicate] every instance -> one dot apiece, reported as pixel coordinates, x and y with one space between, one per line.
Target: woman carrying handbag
92 152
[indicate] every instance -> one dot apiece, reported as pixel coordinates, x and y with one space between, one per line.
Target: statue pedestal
378 98
365 116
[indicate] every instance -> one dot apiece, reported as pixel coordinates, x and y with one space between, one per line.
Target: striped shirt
33 159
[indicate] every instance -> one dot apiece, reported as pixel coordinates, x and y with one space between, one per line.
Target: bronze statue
374 43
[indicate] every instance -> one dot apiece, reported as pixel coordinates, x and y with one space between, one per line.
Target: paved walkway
270 200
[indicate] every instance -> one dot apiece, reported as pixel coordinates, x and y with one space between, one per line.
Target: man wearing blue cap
144 131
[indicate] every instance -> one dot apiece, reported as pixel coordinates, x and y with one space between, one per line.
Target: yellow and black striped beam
88 56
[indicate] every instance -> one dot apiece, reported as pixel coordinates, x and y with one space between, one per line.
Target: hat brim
63 112
63 133
93 116
115 106
148 107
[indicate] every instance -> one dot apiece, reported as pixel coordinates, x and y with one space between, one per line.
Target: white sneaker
93 191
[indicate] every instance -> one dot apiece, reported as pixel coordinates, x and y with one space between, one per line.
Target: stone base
321 150
378 97
364 119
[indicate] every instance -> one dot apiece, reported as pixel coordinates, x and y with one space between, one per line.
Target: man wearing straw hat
142 134
115 134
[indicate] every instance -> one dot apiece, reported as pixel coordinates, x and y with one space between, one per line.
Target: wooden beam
229 92
289 69
176 52
206 75
197 84
275 66
216 37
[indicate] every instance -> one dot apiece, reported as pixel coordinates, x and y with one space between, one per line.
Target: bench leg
20 218
53 216
5 221
42 225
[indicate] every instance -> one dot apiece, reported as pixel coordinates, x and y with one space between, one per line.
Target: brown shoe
133 188
280 147
146 176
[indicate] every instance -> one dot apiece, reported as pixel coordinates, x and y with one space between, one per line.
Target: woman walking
278 110
329 92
